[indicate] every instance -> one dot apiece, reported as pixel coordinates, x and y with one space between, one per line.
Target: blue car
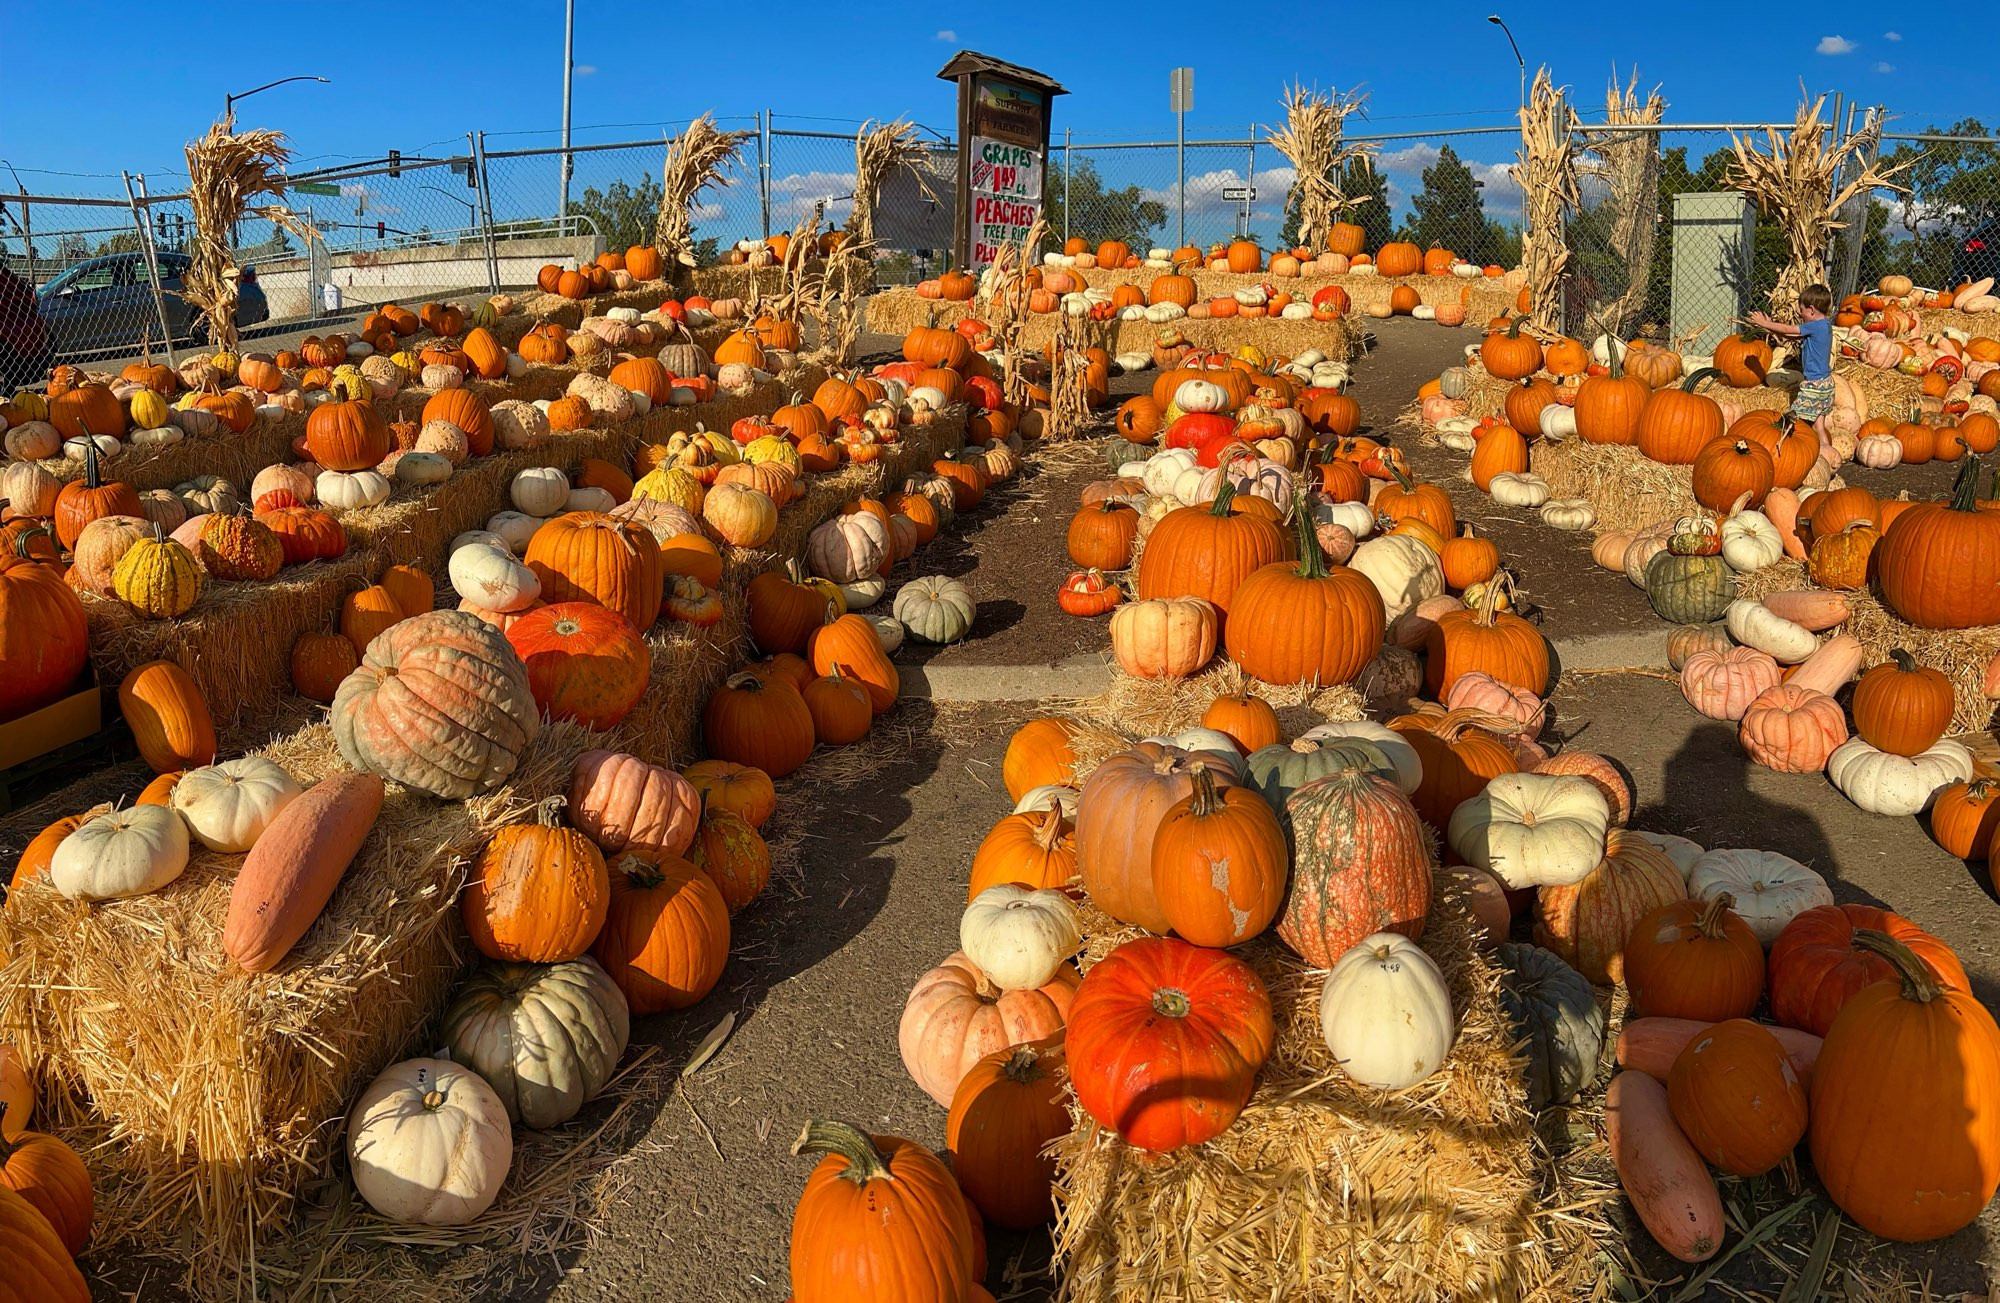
106 303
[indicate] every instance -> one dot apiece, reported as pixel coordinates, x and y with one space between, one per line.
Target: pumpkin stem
1206 800
1904 661
1051 830
639 875
1223 496
1312 562
1688 385
549 813
1920 985
433 1100
1965 490
1710 920
1023 1066
1171 1003
1401 476
865 1162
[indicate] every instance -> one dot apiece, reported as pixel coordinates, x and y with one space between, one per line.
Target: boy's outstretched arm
1776 327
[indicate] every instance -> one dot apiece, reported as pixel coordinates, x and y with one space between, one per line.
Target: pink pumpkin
1722 684
1792 729
1481 691
1600 772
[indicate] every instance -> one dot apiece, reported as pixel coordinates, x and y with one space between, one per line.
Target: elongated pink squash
1829 669
1781 507
1814 608
1665 1179
291 872
1649 1045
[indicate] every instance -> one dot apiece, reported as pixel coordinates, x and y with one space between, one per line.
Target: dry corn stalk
1795 183
880 150
695 160
1069 390
227 172
1628 163
1311 140
1545 169
1008 307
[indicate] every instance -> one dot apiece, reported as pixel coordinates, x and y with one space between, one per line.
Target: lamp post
569 76
229 101
1498 22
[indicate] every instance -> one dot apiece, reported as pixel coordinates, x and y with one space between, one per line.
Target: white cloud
947 35
586 70
1885 67
793 196
1835 45
1892 36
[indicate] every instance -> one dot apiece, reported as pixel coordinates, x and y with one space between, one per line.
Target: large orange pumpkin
585 662
1004 1114
169 720
582 556
880 1219
539 892
665 938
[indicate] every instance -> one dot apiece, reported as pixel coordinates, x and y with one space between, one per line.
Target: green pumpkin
935 609
1117 452
1689 589
484 316
1556 1016
546 1037
1282 768
1456 382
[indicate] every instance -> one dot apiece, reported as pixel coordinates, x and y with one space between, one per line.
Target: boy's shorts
1813 400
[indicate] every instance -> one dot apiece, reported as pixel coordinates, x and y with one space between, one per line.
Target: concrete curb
1088 675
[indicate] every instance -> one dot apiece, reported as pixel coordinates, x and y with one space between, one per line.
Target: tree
1448 212
1378 224
623 214
1098 214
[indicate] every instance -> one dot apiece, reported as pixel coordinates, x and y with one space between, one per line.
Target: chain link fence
1660 245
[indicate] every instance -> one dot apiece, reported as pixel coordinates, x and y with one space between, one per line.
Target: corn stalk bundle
695 160
1008 307
1627 162
1069 392
880 150
1312 141
1797 183
1545 169
227 174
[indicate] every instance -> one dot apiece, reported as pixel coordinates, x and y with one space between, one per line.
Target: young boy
1815 335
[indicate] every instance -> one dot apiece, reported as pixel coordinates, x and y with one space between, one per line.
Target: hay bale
741 281
225 1089
235 457
1626 488
1323 1189
1962 655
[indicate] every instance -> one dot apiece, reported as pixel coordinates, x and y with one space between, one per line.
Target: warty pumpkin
1361 865
538 893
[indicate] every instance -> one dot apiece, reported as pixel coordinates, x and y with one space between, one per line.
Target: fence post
1065 230
28 236
152 263
1846 277
477 139
1250 182
764 168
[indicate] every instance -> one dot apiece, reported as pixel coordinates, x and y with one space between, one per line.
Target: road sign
1239 192
315 188
1180 90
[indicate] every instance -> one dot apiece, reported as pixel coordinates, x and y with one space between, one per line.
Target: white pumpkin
863 593
1201 396
1750 541
1164 468
1770 889
1403 570
1518 489
1532 830
1684 853
1386 1013
935 609
351 490
1019 936
1049 796
429 1142
889 632
1409 765
492 578
1568 513
1753 624
1209 741
538 490
589 497
415 467
471 536
515 529
228 806
127 852
1882 783
847 548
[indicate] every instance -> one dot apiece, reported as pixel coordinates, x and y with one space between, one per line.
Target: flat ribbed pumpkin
441 703
291 872
1360 865
1587 921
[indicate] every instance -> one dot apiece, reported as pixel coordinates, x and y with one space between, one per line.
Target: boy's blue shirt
1816 348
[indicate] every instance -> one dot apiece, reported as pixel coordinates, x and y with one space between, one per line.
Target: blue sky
404 79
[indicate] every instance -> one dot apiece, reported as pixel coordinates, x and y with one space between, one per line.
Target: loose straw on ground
695 160
1312 140
1627 161
227 173
1546 172
1796 183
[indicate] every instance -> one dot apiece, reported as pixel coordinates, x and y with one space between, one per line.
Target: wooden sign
1003 134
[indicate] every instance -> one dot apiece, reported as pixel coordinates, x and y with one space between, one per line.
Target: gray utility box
1714 239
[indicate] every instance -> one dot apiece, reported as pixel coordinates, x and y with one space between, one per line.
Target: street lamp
569 76
1495 19
471 209
229 101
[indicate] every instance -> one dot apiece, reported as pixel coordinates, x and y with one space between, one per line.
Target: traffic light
395 164
381 230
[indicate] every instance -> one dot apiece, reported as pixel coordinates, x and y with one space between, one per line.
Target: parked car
107 303
1977 255
24 343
